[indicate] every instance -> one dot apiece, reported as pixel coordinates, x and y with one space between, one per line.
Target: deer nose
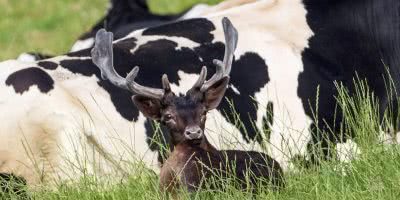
193 133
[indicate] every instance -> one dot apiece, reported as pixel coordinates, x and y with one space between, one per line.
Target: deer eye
167 117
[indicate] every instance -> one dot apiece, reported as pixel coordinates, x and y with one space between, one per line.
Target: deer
193 159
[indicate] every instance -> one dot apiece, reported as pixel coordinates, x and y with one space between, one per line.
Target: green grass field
51 26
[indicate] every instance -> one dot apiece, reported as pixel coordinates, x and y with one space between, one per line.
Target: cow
59 116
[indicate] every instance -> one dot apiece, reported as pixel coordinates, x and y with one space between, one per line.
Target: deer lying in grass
193 159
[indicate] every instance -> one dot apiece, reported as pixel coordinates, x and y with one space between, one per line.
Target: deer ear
215 93
150 107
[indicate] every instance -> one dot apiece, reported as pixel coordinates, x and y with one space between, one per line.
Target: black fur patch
80 66
80 53
268 121
48 65
249 74
158 139
121 100
349 37
129 43
197 30
23 79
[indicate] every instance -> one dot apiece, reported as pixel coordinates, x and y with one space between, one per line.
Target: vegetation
52 26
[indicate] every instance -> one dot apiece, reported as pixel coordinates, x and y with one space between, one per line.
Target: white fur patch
82 44
181 41
196 11
389 138
26 57
75 128
348 151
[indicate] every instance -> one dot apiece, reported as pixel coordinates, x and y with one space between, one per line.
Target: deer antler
223 67
102 57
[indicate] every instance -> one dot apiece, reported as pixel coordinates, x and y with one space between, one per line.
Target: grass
44 26
375 174
52 26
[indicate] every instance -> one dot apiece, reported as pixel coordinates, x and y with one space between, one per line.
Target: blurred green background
51 26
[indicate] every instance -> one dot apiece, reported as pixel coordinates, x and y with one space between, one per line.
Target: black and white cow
122 18
58 115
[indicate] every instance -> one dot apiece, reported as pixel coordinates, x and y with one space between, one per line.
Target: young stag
193 160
